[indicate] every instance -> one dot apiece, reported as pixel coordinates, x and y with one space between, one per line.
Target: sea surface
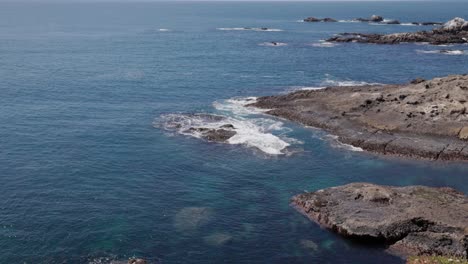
91 170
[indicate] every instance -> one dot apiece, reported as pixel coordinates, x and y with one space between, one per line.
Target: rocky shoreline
414 220
372 19
454 31
423 119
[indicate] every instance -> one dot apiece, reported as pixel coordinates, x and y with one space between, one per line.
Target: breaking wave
273 44
251 29
324 44
252 130
444 52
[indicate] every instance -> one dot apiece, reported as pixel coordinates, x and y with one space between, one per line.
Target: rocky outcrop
206 126
413 220
314 19
453 32
425 118
214 134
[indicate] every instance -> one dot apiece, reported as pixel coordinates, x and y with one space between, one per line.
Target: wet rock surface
414 220
454 31
425 118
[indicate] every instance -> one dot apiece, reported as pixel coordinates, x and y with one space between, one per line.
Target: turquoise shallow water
88 172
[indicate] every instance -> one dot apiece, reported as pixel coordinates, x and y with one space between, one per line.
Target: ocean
92 171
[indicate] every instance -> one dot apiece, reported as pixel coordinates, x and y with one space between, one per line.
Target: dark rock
211 134
453 32
227 126
417 81
327 19
312 19
375 18
409 220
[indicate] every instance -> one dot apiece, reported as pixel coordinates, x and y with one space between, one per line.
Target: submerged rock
192 218
309 245
453 32
217 239
409 220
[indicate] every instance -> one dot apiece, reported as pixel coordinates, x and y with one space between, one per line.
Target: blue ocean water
88 171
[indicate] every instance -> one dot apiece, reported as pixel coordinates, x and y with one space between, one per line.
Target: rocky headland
372 19
414 220
454 31
425 118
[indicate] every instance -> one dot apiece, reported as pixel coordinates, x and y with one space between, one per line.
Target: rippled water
87 173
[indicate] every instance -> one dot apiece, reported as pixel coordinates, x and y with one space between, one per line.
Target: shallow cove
85 175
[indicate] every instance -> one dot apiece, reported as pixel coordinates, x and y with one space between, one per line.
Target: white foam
238 106
339 144
324 44
273 44
251 129
251 29
443 52
349 21
164 30
254 132
332 82
408 24
312 88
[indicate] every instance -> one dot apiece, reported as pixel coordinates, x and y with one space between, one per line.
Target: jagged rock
375 18
463 133
409 220
137 261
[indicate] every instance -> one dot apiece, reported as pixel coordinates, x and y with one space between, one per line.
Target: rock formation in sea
314 19
454 31
424 118
414 220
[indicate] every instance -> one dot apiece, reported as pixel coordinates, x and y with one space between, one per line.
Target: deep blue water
88 172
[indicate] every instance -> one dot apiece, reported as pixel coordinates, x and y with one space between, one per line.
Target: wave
264 134
324 44
348 21
273 44
330 81
164 30
444 52
335 142
251 29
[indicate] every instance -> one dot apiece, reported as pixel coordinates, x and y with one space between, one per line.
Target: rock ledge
414 220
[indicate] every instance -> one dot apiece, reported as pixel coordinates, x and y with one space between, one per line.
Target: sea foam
251 127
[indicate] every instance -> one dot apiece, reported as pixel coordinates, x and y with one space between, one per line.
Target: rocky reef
425 118
454 31
414 220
